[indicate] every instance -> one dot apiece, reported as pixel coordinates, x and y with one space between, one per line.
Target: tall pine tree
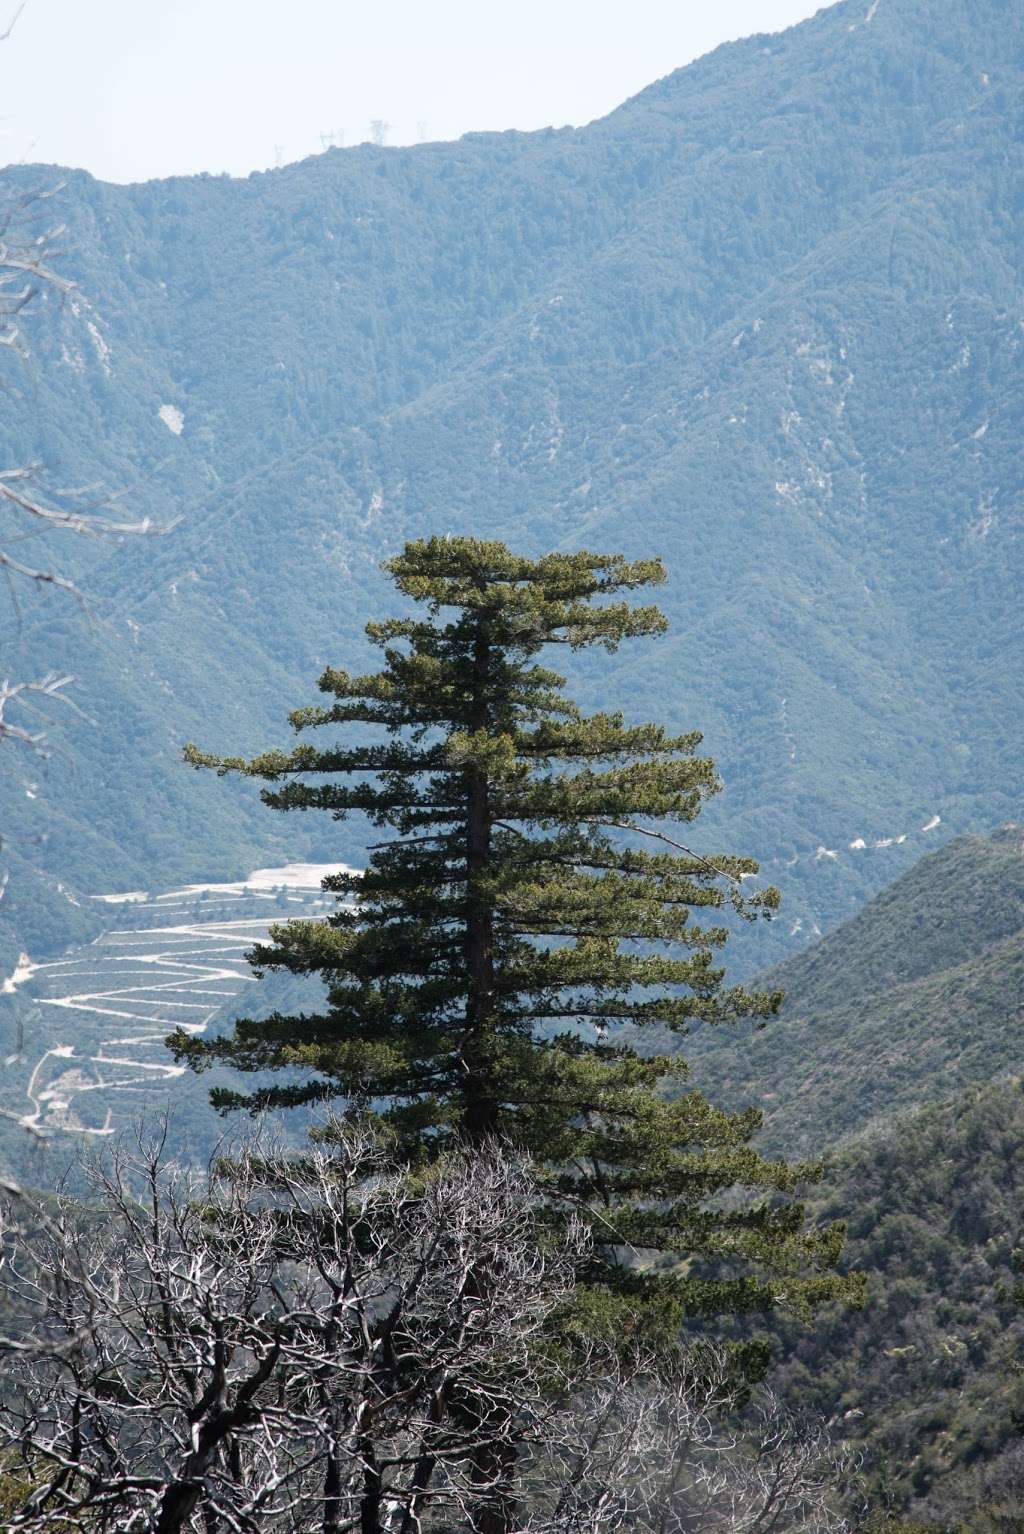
533 899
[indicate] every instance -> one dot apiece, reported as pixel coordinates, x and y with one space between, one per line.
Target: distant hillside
926 1380
917 996
764 319
82 1036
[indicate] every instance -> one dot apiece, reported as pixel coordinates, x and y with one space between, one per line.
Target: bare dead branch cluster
674 1454
299 1344
26 259
13 21
25 694
68 510
284 1347
28 263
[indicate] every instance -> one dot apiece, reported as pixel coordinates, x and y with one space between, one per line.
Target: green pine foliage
15 1490
531 899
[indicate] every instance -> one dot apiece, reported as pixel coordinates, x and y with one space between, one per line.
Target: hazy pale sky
132 89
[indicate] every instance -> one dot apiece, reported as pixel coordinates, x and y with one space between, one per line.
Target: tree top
534 601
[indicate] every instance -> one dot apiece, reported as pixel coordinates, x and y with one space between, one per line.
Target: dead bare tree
284 1346
300 1343
682 1450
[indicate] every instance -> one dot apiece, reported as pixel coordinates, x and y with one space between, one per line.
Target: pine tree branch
625 825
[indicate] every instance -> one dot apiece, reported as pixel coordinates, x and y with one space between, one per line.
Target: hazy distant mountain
764 319
918 996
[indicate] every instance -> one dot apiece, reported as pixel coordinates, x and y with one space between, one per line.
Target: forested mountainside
918 995
764 320
926 1380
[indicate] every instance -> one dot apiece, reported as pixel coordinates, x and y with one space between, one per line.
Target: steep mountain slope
925 1381
918 995
765 319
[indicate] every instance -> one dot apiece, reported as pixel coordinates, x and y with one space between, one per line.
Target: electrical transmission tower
379 130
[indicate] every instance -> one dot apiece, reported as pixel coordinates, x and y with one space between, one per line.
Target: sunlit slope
764 319
921 994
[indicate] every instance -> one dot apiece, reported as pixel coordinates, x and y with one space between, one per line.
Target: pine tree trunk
493 1463
481 1114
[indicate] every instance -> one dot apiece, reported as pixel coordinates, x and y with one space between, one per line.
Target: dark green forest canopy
534 897
926 1379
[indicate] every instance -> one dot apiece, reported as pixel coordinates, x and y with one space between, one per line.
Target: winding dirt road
93 1048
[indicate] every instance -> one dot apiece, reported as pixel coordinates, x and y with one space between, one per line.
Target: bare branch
320 1342
13 21
68 517
49 687
26 266
659 836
